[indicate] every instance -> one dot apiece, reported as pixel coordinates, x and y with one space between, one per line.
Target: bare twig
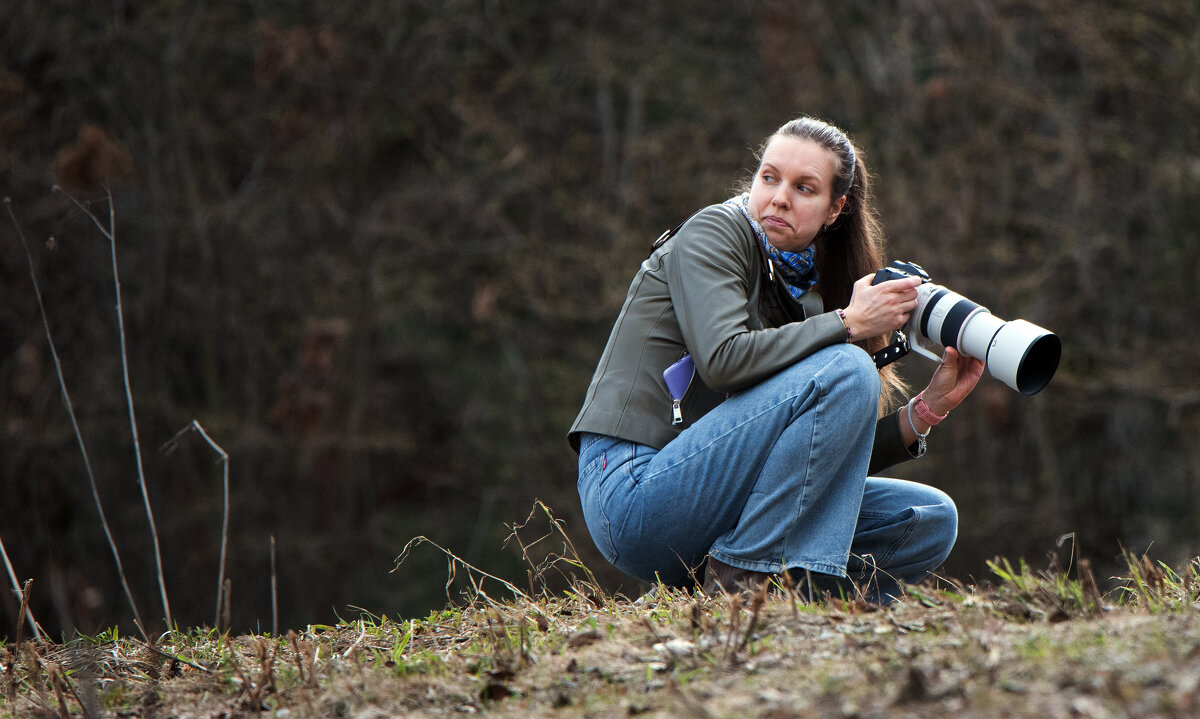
790 587
62 384
12 575
266 662
25 592
111 234
226 611
274 592
296 651
195 425
756 605
1187 584
362 634
735 615
452 562
253 692
1092 592
224 514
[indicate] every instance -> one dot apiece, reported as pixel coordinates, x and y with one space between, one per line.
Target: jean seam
612 544
627 483
602 493
819 566
873 515
903 538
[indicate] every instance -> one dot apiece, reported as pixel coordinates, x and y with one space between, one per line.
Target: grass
1036 643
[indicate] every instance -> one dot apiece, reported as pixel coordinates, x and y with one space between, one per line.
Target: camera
1018 353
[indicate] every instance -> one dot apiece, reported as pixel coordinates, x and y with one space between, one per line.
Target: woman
763 465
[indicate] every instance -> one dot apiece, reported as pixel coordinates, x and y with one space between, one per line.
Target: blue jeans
774 478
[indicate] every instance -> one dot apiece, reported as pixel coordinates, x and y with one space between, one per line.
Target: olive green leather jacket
705 291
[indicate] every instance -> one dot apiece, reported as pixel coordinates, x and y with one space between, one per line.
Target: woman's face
790 195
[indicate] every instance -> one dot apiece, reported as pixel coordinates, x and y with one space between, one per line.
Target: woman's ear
835 209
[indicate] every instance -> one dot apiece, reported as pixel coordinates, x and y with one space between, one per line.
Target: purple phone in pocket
679 378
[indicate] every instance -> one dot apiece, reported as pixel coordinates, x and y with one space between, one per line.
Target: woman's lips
774 221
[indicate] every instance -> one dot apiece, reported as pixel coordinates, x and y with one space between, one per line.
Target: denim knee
852 371
937 525
942 522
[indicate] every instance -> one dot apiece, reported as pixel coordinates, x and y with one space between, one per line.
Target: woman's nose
781 197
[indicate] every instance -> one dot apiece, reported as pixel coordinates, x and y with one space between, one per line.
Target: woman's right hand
878 309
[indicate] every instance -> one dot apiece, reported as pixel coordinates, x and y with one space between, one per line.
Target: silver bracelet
920 437
913 426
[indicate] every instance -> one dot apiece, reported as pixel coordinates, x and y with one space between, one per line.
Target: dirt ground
960 654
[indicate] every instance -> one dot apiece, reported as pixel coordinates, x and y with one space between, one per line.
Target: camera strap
894 351
662 239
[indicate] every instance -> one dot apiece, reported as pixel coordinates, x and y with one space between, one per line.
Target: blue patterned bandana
796 269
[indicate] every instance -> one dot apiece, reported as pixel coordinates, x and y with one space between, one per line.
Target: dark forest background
375 248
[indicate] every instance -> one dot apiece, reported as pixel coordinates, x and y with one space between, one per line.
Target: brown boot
719 577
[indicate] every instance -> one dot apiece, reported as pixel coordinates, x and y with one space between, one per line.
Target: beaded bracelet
842 316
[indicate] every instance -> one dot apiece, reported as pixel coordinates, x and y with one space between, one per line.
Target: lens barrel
1018 353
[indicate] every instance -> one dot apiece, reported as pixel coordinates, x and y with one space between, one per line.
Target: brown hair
853 245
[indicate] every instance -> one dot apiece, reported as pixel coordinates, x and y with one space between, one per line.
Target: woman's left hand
952 381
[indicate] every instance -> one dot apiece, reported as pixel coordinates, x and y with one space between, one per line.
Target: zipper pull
677 411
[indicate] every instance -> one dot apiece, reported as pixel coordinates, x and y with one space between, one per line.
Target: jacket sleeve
710 275
889 449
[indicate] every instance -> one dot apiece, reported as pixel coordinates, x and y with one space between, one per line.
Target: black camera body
1018 353
898 270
